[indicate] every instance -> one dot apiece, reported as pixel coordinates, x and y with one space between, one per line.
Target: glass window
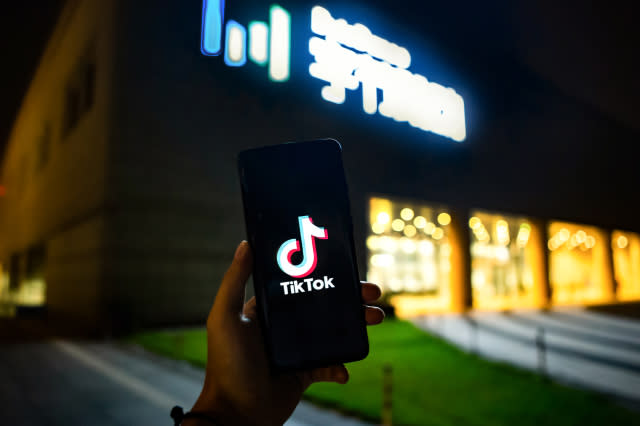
80 93
32 291
578 264
6 307
24 285
43 147
501 266
409 254
626 264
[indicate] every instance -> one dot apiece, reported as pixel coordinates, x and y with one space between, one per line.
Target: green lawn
434 384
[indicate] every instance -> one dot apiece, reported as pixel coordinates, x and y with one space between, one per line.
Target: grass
434 383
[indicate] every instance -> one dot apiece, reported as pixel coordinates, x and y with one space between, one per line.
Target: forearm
197 422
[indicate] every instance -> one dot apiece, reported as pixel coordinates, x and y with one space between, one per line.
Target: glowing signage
235 54
278 46
308 233
350 56
212 20
259 36
347 57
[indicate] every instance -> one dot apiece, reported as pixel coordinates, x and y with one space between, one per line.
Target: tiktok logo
308 233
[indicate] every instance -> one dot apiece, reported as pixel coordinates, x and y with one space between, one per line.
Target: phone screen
305 277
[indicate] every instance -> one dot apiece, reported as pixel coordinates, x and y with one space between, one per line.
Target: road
591 350
70 383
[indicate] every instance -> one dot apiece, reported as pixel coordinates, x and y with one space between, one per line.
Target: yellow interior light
438 233
419 222
622 241
406 213
397 225
429 228
444 219
383 218
474 223
410 231
377 227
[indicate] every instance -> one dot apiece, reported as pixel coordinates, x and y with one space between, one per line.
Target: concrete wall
58 199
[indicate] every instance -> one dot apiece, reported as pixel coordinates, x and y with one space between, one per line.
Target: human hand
239 386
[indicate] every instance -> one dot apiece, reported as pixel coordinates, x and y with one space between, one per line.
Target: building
122 206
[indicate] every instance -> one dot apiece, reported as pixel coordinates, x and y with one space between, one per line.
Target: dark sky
586 49
24 27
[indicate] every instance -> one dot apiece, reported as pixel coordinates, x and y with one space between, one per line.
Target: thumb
230 297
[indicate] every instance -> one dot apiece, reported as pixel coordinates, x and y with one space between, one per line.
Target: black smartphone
305 276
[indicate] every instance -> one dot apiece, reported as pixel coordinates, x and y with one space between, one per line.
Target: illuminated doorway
502 261
409 254
23 284
626 264
579 264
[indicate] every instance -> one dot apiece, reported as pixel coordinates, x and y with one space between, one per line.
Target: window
14 271
79 93
409 254
32 288
626 264
578 264
502 274
71 109
43 147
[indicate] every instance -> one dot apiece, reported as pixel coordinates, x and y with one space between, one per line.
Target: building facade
474 183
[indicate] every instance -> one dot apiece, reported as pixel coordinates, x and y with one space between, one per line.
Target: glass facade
626 264
415 252
501 261
409 253
579 269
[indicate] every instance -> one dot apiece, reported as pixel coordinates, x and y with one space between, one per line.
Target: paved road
67 383
592 350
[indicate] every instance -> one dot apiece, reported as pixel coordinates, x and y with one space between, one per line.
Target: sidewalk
70 383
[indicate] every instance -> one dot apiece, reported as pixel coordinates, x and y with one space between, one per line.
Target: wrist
198 422
213 408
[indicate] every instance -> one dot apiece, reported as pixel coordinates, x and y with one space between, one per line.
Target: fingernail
241 251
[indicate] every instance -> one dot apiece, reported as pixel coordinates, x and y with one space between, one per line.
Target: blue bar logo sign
264 44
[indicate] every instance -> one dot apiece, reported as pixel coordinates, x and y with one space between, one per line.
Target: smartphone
305 277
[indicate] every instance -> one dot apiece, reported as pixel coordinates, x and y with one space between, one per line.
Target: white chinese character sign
347 57
350 56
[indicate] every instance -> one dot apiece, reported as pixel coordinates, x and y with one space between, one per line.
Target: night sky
24 27
586 49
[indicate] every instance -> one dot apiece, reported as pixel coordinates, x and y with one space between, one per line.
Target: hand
239 386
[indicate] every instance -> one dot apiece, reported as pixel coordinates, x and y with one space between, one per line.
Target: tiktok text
306 285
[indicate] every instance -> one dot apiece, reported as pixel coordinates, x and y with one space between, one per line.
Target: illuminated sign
261 43
347 57
350 56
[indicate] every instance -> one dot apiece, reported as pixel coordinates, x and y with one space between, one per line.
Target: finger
334 373
249 308
373 315
370 292
230 297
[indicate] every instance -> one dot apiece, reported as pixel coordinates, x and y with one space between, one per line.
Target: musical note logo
308 233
